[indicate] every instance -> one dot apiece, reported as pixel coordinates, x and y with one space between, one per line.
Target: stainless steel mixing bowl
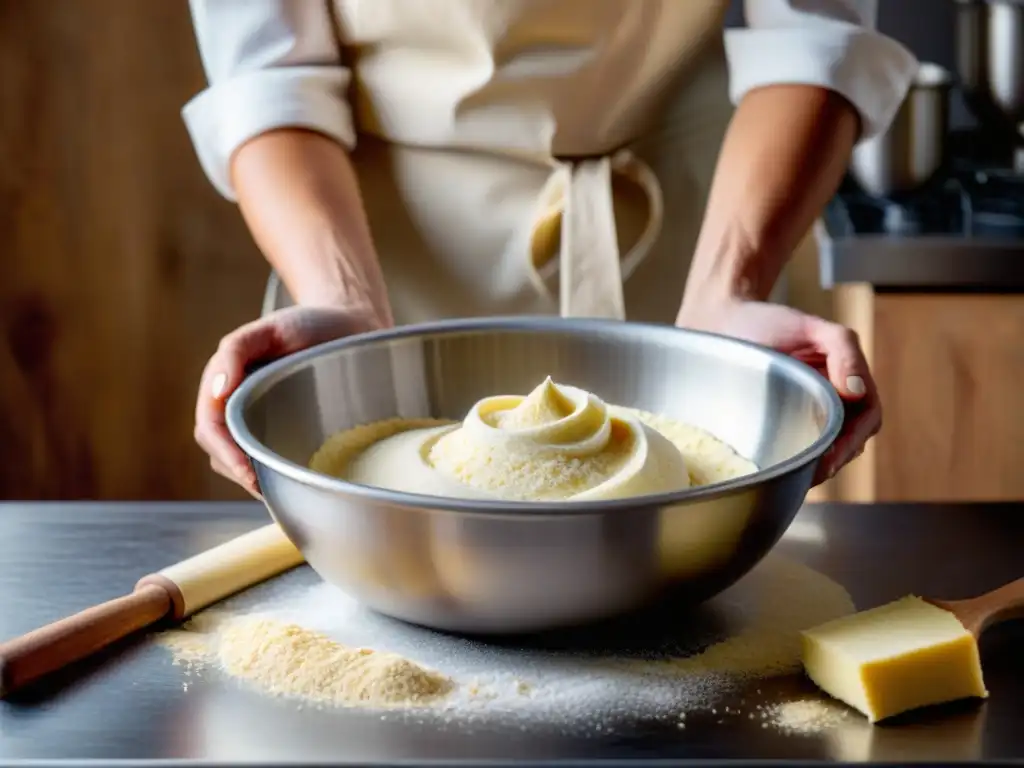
476 567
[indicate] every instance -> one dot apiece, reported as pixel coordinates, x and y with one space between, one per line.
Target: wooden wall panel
119 266
949 368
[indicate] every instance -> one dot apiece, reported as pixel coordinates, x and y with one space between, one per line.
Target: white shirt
276 63
522 85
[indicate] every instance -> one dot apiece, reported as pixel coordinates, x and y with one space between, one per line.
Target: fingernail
219 384
855 385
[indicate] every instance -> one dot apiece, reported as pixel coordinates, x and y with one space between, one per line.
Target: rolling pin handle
47 649
177 609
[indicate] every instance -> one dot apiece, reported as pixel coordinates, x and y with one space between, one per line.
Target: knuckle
228 346
847 336
205 437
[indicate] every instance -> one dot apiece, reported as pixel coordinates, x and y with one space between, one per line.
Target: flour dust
689 662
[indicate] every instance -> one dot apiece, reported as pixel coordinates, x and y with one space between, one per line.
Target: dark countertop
135 704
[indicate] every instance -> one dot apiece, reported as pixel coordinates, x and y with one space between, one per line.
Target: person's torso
549 77
473 116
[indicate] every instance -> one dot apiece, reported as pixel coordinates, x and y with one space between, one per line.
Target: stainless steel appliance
913 150
962 231
905 218
990 65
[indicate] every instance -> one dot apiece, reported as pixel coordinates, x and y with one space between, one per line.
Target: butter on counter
895 658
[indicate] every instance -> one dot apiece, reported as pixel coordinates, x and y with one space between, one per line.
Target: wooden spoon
979 613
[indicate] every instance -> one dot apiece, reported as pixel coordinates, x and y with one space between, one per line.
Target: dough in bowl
558 443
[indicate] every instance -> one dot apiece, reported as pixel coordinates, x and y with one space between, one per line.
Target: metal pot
913 149
990 61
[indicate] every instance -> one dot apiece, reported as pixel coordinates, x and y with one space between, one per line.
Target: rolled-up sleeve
270 64
827 43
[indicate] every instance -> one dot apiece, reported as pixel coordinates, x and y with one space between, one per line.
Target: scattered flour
768 608
804 716
190 647
286 659
301 638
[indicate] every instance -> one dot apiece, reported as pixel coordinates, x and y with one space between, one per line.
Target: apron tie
576 219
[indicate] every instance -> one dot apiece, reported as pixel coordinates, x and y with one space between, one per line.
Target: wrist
718 284
702 312
335 277
717 290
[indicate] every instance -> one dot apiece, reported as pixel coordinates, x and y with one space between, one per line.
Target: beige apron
570 177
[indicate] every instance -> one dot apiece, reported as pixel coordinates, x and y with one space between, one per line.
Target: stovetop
976 197
969 202
963 231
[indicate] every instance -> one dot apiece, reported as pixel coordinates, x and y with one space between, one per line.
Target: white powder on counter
804 717
290 660
687 662
765 613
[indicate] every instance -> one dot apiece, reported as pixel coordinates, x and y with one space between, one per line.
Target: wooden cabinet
950 369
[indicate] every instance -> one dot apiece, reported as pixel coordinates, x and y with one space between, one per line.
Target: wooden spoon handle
1003 604
44 650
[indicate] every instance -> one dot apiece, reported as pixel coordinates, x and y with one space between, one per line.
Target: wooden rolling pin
173 593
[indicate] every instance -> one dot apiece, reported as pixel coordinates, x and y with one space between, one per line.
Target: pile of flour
287 659
680 663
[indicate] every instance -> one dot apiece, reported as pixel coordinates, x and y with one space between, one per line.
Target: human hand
272 336
832 349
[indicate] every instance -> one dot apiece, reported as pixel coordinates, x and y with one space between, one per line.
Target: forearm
783 157
300 198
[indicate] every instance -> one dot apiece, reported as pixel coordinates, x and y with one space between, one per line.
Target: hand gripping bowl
514 567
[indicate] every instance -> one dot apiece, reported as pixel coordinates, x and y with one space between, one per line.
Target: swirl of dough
557 443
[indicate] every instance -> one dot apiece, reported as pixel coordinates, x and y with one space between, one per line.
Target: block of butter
894 658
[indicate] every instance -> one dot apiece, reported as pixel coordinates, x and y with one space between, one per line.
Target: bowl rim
270 374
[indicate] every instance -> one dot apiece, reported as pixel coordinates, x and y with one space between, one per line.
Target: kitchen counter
134 704
933 263
963 233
